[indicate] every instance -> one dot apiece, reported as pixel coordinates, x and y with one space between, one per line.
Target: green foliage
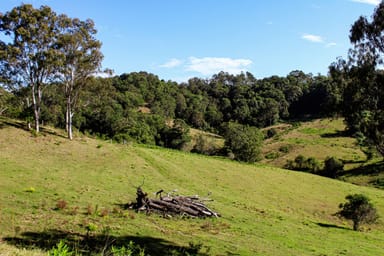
285 149
61 249
332 166
360 81
358 209
30 190
30 57
91 227
131 249
204 145
259 197
271 133
243 141
301 163
272 155
176 136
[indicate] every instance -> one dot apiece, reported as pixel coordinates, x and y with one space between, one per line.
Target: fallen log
173 205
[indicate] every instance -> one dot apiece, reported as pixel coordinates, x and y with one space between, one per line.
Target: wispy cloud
331 44
318 39
212 65
313 38
371 2
172 63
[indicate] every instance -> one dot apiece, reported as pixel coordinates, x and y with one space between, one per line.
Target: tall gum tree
364 92
27 54
80 57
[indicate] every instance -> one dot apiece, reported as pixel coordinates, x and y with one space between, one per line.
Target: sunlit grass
265 210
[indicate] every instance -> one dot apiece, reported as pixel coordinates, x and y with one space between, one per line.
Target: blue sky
180 39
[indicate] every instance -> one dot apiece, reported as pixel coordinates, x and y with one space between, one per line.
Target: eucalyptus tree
27 53
363 93
80 57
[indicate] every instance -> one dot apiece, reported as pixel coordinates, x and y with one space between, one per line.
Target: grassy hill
320 139
265 210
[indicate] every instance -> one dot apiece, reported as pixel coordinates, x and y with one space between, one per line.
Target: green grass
322 138
319 139
265 210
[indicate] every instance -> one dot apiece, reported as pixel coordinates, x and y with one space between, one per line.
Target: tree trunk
68 118
36 107
356 225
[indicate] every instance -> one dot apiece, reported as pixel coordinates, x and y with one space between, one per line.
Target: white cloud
212 65
330 44
172 63
312 38
371 2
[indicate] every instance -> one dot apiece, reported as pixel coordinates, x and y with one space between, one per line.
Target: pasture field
320 139
53 189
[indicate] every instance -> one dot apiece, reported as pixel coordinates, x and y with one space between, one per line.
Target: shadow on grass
92 244
17 124
336 134
23 126
370 169
326 225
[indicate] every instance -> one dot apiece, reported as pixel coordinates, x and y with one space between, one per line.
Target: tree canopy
43 48
28 57
60 56
359 209
361 81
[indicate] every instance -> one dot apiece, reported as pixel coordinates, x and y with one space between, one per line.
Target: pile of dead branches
170 205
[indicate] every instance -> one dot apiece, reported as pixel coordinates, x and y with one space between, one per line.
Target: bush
332 166
243 141
272 155
132 249
271 133
204 145
61 249
285 149
358 209
301 163
176 136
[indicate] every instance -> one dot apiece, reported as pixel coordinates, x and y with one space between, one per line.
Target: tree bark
36 106
68 118
356 225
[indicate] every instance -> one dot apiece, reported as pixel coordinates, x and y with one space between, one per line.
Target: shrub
61 249
130 250
243 141
285 149
204 146
272 155
332 166
301 163
271 133
313 164
177 136
358 209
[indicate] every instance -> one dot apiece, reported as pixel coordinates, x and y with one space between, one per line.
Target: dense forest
49 77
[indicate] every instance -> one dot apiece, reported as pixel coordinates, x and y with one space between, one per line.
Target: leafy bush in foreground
358 209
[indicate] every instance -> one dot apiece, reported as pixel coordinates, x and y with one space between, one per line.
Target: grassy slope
322 138
319 138
266 211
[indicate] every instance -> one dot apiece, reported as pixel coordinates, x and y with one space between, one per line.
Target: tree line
48 71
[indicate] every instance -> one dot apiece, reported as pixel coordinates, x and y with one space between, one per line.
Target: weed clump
61 204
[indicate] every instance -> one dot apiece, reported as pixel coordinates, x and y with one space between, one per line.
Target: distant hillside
323 138
53 189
